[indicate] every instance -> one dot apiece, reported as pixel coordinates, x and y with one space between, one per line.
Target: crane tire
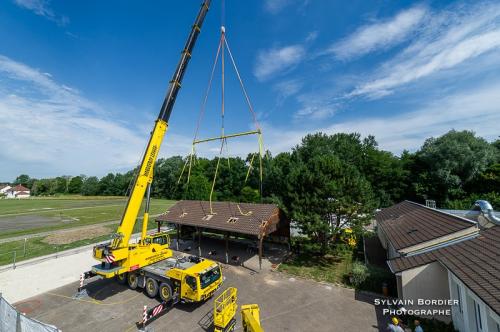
121 278
165 291
151 287
133 280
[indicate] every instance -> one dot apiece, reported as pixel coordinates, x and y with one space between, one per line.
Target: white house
467 272
464 269
18 191
4 188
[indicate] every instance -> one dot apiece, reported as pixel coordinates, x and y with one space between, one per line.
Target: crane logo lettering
150 160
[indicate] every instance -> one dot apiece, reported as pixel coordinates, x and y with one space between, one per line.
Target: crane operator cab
158 238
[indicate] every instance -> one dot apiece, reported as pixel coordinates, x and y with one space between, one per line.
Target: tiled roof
475 262
249 217
406 224
19 187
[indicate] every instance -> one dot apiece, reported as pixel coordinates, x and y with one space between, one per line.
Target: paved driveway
287 304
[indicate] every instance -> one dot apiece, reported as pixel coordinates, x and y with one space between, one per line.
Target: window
210 277
459 298
160 240
232 220
191 282
477 312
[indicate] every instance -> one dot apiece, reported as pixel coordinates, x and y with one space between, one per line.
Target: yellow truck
189 279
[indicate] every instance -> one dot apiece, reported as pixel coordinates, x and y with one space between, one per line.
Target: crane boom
144 177
119 257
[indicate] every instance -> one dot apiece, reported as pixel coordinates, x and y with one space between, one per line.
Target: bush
377 276
359 274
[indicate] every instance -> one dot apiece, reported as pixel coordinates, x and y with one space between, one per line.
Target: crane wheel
132 280
151 287
165 291
121 278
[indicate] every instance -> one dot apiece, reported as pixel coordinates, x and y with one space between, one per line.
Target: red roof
19 187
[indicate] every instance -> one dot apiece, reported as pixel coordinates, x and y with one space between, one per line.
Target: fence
12 320
34 250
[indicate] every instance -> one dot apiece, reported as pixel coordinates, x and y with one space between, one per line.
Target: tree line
325 182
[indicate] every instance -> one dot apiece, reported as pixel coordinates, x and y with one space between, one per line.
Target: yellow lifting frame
189 161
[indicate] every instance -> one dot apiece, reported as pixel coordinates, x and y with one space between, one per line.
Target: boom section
145 176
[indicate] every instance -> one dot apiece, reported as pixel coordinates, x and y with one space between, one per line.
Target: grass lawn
72 211
327 268
35 247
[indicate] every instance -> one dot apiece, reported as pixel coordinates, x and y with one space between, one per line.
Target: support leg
199 242
226 238
261 238
178 236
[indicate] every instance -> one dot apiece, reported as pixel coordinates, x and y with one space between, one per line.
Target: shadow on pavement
382 321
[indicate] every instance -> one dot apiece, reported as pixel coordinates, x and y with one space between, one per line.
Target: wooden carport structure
249 219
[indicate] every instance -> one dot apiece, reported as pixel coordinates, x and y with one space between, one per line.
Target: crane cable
223 44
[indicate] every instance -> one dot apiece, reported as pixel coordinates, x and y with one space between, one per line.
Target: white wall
426 282
464 316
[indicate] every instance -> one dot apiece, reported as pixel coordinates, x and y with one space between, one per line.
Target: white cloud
42 8
475 110
287 89
277 60
449 39
275 6
379 35
50 129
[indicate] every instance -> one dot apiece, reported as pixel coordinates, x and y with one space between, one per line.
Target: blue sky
81 82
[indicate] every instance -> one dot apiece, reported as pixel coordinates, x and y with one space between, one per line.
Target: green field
63 212
80 211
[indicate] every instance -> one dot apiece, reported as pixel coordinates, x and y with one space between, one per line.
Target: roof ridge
442 212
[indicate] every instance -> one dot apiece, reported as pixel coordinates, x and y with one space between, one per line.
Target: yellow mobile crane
149 264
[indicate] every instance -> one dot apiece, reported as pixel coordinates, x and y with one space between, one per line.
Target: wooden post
226 237
178 235
261 238
199 242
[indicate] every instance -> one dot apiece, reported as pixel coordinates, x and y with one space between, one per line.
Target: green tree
166 175
107 185
249 195
61 184
44 187
198 188
323 193
90 186
75 184
22 179
446 165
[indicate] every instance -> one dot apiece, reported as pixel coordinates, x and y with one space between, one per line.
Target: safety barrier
13 320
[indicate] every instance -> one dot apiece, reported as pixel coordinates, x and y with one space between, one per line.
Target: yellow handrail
225 307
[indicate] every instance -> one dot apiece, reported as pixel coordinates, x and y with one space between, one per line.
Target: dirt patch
69 236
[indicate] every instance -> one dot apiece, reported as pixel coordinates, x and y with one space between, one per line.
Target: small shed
249 219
